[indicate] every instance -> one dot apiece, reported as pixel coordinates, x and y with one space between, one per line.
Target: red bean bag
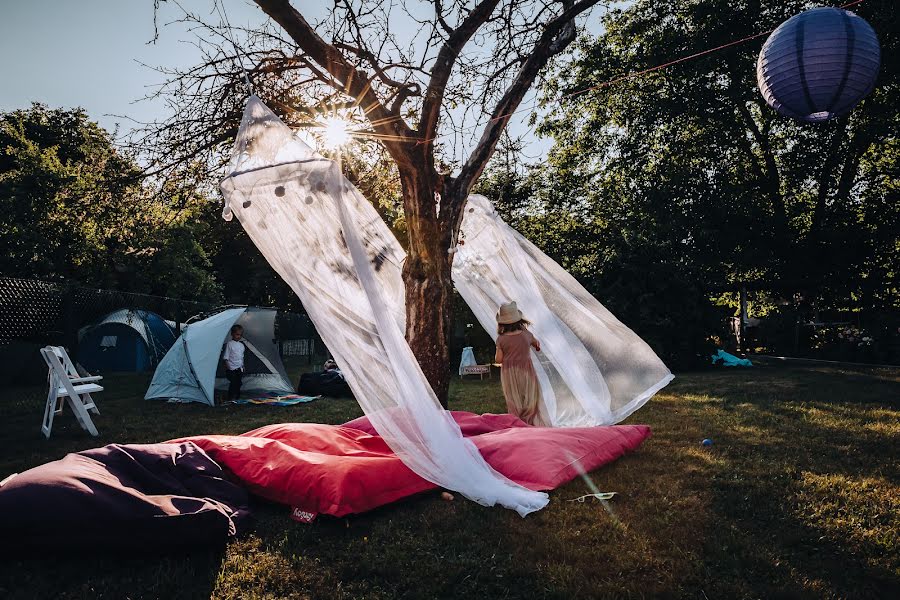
544 458
317 468
470 423
338 470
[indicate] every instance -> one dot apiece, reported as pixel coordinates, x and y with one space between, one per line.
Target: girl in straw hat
520 384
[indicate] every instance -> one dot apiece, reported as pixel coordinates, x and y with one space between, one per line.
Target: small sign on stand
480 370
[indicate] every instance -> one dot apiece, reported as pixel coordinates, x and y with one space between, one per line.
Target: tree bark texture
426 272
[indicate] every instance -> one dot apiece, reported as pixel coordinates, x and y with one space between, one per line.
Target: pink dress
520 384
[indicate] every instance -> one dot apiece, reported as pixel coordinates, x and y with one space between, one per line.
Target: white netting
467 359
337 254
330 245
593 369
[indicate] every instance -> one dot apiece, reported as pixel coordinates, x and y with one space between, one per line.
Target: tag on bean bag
302 516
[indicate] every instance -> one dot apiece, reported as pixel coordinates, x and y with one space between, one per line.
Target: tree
353 59
76 208
689 164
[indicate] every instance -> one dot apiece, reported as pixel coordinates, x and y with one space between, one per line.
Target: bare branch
354 82
443 65
556 36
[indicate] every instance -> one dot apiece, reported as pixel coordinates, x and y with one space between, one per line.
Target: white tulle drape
593 369
328 243
337 254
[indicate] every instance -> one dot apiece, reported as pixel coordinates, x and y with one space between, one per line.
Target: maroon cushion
129 496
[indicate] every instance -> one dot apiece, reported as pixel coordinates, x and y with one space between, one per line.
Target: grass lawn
798 497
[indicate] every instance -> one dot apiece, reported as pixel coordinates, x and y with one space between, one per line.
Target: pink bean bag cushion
338 470
470 423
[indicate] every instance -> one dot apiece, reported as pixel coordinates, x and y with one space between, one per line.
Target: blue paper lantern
819 64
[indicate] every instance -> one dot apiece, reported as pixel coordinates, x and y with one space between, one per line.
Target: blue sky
87 53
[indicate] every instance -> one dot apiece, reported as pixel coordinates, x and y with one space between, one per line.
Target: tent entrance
193 369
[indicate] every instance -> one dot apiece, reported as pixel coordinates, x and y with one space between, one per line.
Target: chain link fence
36 313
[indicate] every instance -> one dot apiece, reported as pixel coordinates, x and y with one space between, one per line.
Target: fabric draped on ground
275 400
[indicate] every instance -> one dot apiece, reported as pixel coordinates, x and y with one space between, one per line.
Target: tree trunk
426 274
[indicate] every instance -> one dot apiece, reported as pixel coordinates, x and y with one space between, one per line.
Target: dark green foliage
77 208
664 190
685 172
665 304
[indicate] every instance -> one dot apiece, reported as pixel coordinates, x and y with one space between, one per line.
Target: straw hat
509 313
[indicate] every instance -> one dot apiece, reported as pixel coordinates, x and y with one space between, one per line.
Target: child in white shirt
234 362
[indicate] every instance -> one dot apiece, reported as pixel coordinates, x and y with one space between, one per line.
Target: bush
667 306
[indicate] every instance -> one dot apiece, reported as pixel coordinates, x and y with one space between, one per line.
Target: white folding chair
66 383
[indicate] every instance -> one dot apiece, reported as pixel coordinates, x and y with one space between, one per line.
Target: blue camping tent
125 340
192 369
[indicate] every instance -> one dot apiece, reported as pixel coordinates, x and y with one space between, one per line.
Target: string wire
632 75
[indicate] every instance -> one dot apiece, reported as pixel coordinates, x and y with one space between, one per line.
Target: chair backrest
63 357
59 375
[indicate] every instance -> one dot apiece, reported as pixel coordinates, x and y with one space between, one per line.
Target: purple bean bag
136 496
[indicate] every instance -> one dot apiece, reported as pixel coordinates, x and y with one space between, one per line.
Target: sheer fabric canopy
331 246
328 243
593 369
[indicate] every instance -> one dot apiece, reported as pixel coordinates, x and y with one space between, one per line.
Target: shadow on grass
803 485
58 575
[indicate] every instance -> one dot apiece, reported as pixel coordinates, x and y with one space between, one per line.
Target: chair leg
90 404
49 411
81 414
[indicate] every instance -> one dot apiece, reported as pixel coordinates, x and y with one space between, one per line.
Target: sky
89 53
68 53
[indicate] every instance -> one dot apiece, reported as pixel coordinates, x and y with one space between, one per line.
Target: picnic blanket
288 400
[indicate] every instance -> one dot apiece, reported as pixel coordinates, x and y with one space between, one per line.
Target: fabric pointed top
264 140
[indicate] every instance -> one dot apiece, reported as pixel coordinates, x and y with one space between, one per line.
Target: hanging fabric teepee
593 369
328 243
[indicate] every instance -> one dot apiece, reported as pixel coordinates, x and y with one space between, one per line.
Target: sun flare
335 132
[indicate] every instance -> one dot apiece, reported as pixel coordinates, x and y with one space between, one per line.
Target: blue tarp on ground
730 360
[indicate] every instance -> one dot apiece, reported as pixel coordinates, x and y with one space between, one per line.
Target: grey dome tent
192 369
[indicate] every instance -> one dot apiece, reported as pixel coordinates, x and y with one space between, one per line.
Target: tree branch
443 65
825 180
354 82
772 172
557 35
